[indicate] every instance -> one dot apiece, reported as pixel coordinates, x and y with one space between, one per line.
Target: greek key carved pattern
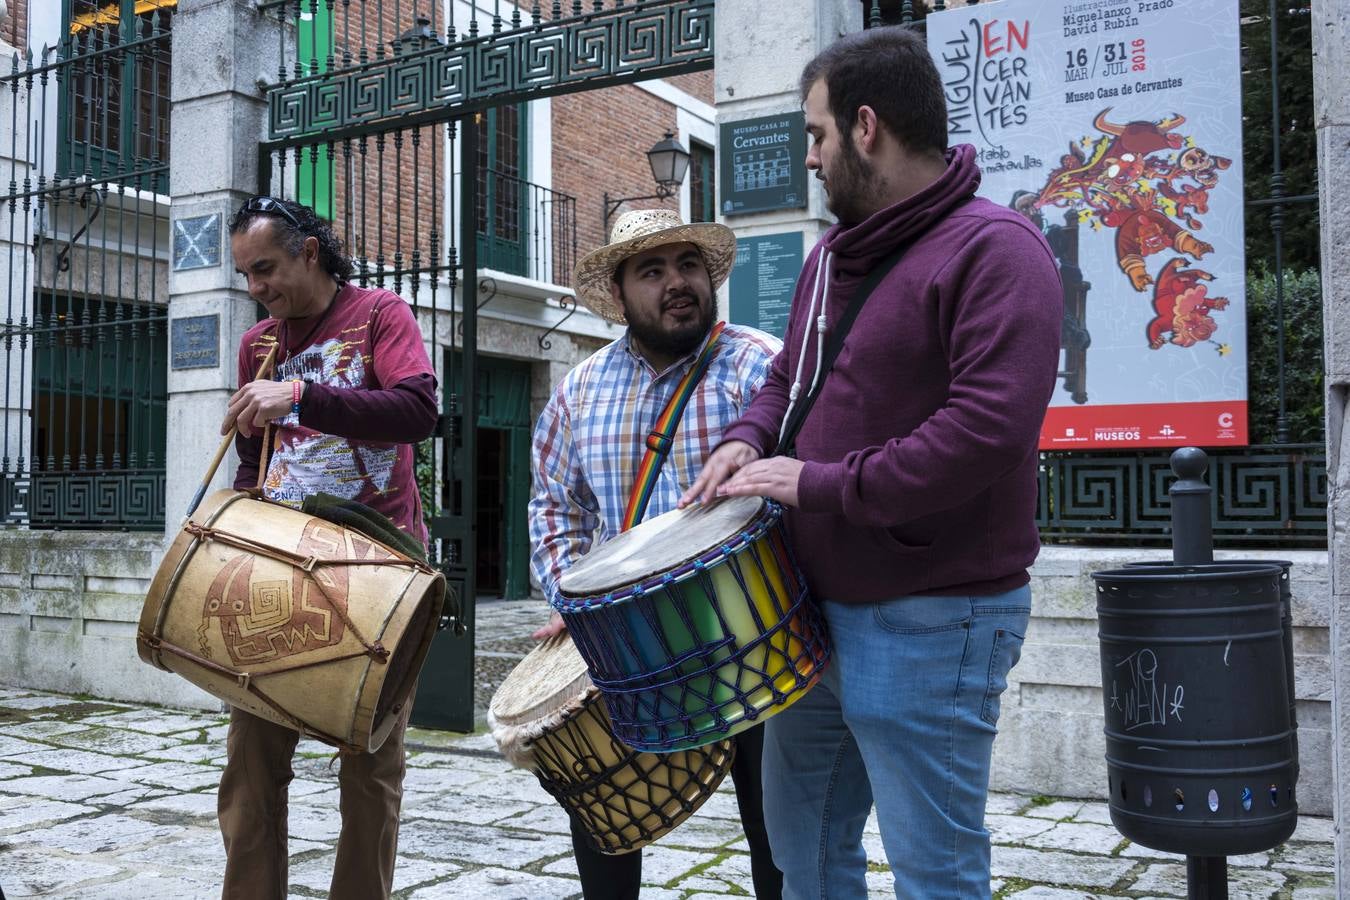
1274 495
616 46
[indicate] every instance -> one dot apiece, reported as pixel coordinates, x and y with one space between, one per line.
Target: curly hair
292 224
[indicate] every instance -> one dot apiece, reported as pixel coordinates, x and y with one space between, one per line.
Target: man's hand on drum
724 462
555 625
255 403
775 478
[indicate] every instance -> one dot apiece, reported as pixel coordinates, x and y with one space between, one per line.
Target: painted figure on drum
658 276
267 616
354 391
911 496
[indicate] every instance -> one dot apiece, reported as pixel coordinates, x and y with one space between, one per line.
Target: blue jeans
905 716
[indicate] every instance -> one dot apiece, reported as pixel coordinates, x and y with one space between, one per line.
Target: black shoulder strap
787 443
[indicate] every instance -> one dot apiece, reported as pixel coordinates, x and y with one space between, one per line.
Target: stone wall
69 606
1050 731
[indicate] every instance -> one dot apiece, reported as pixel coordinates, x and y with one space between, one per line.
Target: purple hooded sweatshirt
920 451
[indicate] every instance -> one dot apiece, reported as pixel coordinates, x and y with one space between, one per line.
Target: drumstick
229 438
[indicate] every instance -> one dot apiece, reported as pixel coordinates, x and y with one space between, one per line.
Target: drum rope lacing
696 690
308 564
245 681
618 817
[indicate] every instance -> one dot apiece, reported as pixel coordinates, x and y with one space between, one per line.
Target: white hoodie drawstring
819 294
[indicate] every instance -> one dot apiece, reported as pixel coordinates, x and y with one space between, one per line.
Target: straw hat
642 229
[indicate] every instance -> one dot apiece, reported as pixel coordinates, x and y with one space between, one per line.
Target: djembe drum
547 717
696 624
294 618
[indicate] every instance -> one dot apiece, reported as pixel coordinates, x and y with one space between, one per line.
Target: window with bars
503 208
114 98
702 183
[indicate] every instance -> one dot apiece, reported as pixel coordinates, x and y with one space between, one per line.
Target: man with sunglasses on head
352 390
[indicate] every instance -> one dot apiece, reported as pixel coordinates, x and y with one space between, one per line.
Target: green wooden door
504 406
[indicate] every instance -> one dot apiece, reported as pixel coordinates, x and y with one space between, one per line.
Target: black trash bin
1199 742
1287 627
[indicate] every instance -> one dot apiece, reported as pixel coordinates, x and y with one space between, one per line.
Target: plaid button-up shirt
591 436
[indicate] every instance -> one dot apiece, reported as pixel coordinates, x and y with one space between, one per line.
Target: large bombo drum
293 618
547 717
696 624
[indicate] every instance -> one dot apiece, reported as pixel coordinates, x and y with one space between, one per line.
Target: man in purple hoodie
912 492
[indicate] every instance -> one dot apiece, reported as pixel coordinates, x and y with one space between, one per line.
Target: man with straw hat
659 277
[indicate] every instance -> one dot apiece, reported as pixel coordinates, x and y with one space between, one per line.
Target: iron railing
526 229
1270 495
83 236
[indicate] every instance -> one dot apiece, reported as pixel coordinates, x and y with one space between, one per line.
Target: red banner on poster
1218 424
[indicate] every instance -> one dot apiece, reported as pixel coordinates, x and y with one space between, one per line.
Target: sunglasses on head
271 206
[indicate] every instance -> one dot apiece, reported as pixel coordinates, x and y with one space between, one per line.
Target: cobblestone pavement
111 800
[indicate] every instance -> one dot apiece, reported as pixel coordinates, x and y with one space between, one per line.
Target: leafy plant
1303 382
424 467
1298 136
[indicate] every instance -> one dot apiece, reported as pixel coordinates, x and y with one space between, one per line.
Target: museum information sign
764 279
763 163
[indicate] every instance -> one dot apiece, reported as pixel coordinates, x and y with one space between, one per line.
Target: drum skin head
551 677
658 545
547 686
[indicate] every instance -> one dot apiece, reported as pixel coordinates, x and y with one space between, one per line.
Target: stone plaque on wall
194 342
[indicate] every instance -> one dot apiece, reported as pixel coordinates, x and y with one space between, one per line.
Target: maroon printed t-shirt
367 340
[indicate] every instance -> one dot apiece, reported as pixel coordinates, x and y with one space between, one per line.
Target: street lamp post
669 161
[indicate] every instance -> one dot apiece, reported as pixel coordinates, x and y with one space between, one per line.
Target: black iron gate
373 121
83 237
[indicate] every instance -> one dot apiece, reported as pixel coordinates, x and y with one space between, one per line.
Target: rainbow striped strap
662 436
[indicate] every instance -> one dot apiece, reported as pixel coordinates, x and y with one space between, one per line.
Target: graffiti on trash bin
1145 699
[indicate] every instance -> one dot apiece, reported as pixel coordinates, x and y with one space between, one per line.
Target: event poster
1115 127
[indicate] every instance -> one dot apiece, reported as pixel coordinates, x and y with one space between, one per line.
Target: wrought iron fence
1273 495
526 229
87 231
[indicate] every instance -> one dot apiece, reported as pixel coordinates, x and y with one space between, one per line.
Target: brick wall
388 190
14 31
696 84
600 143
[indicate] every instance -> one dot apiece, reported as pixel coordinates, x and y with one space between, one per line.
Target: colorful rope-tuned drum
547 717
696 625
293 618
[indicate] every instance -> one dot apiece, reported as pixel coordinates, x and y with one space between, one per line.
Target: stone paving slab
103 800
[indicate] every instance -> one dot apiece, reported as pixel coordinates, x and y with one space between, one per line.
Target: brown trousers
252 810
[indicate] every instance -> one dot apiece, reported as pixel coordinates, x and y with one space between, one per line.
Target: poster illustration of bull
1115 128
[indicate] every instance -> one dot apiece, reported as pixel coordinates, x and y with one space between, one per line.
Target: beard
679 340
850 184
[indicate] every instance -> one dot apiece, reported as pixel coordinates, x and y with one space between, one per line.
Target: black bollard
1192 531
1193 544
